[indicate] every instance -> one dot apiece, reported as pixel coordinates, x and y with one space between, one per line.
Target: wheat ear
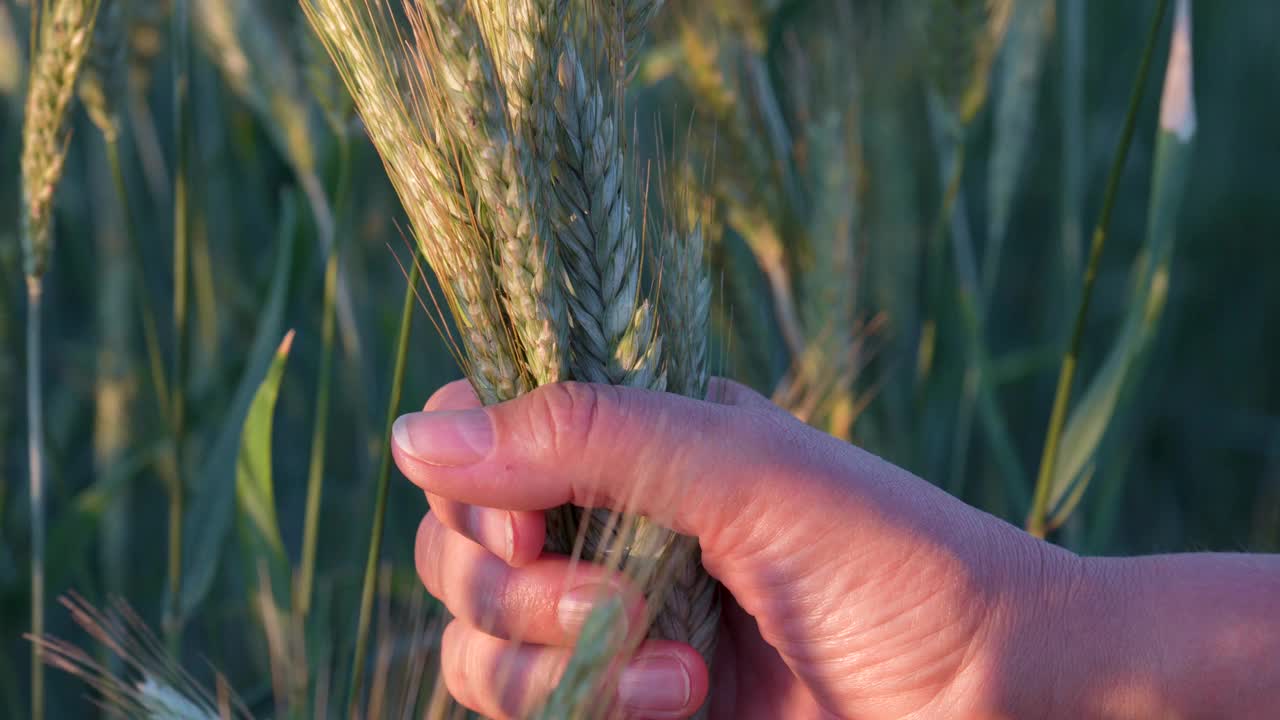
66 27
62 40
407 126
614 338
509 180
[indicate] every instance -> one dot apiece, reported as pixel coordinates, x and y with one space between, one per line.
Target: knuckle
569 416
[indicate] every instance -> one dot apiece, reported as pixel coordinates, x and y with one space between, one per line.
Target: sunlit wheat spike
525 38
62 40
613 339
623 24
684 307
403 110
510 181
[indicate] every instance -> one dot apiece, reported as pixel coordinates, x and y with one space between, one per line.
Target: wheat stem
315 475
380 499
180 33
1036 522
151 338
60 35
35 458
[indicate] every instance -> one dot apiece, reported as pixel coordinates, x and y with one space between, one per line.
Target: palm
749 678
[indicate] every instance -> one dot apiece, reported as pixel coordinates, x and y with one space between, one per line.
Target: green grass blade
1014 107
210 513
315 471
255 490
1072 39
380 499
1088 424
177 399
1036 521
35 465
324 380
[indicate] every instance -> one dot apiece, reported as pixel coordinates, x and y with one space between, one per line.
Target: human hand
853 588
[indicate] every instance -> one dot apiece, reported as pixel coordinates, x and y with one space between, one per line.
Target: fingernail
576 605
448 438
658 683
494 529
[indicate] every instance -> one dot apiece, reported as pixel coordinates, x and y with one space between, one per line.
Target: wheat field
1018 247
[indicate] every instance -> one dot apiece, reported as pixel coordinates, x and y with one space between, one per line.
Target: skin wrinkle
950 661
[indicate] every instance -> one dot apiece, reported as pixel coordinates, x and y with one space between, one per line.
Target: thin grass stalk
972 305
166 464
7 380
35 459
180 33
1030 28
150 333
1036 521
1095 425
380 499
1072 13
315 475
114 391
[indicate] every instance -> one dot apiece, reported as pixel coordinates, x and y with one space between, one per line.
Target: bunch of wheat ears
501 127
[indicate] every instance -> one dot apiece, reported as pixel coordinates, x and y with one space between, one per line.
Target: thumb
693 466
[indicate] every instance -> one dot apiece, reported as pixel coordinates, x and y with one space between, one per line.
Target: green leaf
255 491
1022 57
1088 423
210 513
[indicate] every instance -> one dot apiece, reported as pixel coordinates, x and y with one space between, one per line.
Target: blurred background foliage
898 197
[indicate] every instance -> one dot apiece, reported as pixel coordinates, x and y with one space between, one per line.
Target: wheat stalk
62 38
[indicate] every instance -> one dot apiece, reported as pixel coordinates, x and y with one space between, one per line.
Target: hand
852 588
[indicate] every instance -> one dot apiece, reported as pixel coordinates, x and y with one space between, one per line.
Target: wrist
1110 638
1056 624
